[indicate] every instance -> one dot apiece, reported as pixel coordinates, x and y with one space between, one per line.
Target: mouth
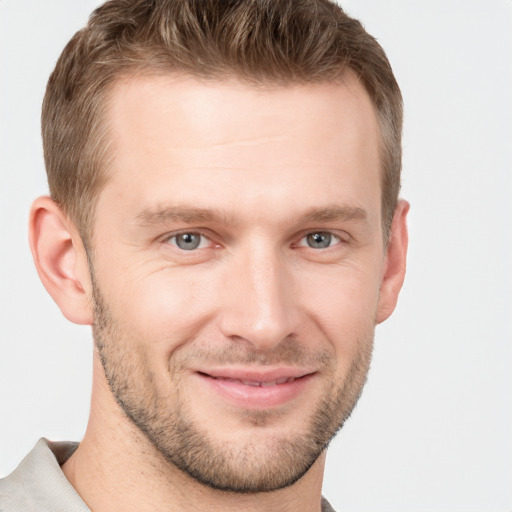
256 383
256 390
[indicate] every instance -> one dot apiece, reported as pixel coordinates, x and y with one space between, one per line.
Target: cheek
343 304
165 308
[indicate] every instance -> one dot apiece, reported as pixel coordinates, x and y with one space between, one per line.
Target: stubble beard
248 468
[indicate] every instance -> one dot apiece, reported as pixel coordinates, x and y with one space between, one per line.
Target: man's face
237 257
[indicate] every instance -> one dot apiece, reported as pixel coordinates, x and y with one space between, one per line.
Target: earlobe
60 260
395 264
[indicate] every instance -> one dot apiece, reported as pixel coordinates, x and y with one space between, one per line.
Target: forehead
192 107
180 138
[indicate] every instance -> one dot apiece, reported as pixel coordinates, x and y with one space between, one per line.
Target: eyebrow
182 214
335 213
192 215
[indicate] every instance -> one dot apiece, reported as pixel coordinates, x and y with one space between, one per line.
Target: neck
117 468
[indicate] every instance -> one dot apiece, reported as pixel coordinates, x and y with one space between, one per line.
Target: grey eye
188 241
319 240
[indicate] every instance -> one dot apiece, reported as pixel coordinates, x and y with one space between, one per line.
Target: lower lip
256 397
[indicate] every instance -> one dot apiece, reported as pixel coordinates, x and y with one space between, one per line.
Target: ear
394 266
61 260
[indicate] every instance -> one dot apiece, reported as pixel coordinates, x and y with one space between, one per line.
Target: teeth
254 383
250 382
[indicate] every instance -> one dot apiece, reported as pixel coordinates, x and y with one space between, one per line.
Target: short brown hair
257 41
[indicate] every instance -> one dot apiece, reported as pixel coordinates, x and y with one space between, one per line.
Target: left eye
319 240
188 241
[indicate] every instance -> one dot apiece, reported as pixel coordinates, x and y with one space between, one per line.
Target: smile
255 390
256 383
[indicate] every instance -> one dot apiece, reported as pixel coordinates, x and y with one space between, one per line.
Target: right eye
188 241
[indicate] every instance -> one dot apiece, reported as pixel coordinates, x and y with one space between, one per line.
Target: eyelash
202 239
327 234
303 241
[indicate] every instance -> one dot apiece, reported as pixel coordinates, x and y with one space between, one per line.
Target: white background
433 430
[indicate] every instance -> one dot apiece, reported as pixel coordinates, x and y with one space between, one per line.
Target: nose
258 304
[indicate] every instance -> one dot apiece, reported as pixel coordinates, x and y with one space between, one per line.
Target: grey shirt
39 485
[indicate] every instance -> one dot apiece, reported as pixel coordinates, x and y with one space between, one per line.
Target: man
224 213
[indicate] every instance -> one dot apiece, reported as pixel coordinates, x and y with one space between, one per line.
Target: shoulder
38 483
13 492
326 506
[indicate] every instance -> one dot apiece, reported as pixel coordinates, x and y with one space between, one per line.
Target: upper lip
257 374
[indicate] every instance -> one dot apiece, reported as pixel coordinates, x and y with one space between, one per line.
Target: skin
275 165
